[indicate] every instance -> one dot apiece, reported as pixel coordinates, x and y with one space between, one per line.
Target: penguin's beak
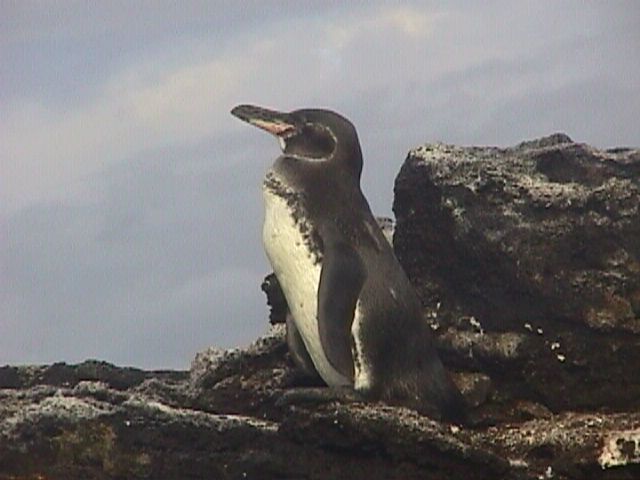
276 123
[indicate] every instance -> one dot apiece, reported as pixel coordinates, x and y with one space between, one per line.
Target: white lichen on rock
208 361
197 417
620 448
59 404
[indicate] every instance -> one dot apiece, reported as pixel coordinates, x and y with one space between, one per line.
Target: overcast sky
130 202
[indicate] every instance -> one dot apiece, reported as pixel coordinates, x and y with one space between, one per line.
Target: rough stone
539 245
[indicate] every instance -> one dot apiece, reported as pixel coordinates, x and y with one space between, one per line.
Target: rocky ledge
527 262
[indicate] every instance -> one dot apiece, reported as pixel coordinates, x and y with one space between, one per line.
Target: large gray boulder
534 251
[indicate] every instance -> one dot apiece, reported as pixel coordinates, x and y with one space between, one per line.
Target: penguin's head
310 134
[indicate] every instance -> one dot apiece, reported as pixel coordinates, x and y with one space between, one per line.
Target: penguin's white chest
298 272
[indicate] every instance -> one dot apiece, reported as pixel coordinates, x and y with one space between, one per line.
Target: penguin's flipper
341 279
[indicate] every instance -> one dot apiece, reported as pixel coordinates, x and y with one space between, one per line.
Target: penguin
355 317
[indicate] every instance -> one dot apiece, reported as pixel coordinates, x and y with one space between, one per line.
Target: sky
130 199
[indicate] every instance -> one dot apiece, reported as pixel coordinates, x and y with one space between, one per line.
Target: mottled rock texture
527 262
535 250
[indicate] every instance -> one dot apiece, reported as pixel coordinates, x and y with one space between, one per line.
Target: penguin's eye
312 141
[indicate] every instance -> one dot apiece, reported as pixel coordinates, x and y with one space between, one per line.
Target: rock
476 387
61 374
526 260
278 307
539 245
387 225
93 430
